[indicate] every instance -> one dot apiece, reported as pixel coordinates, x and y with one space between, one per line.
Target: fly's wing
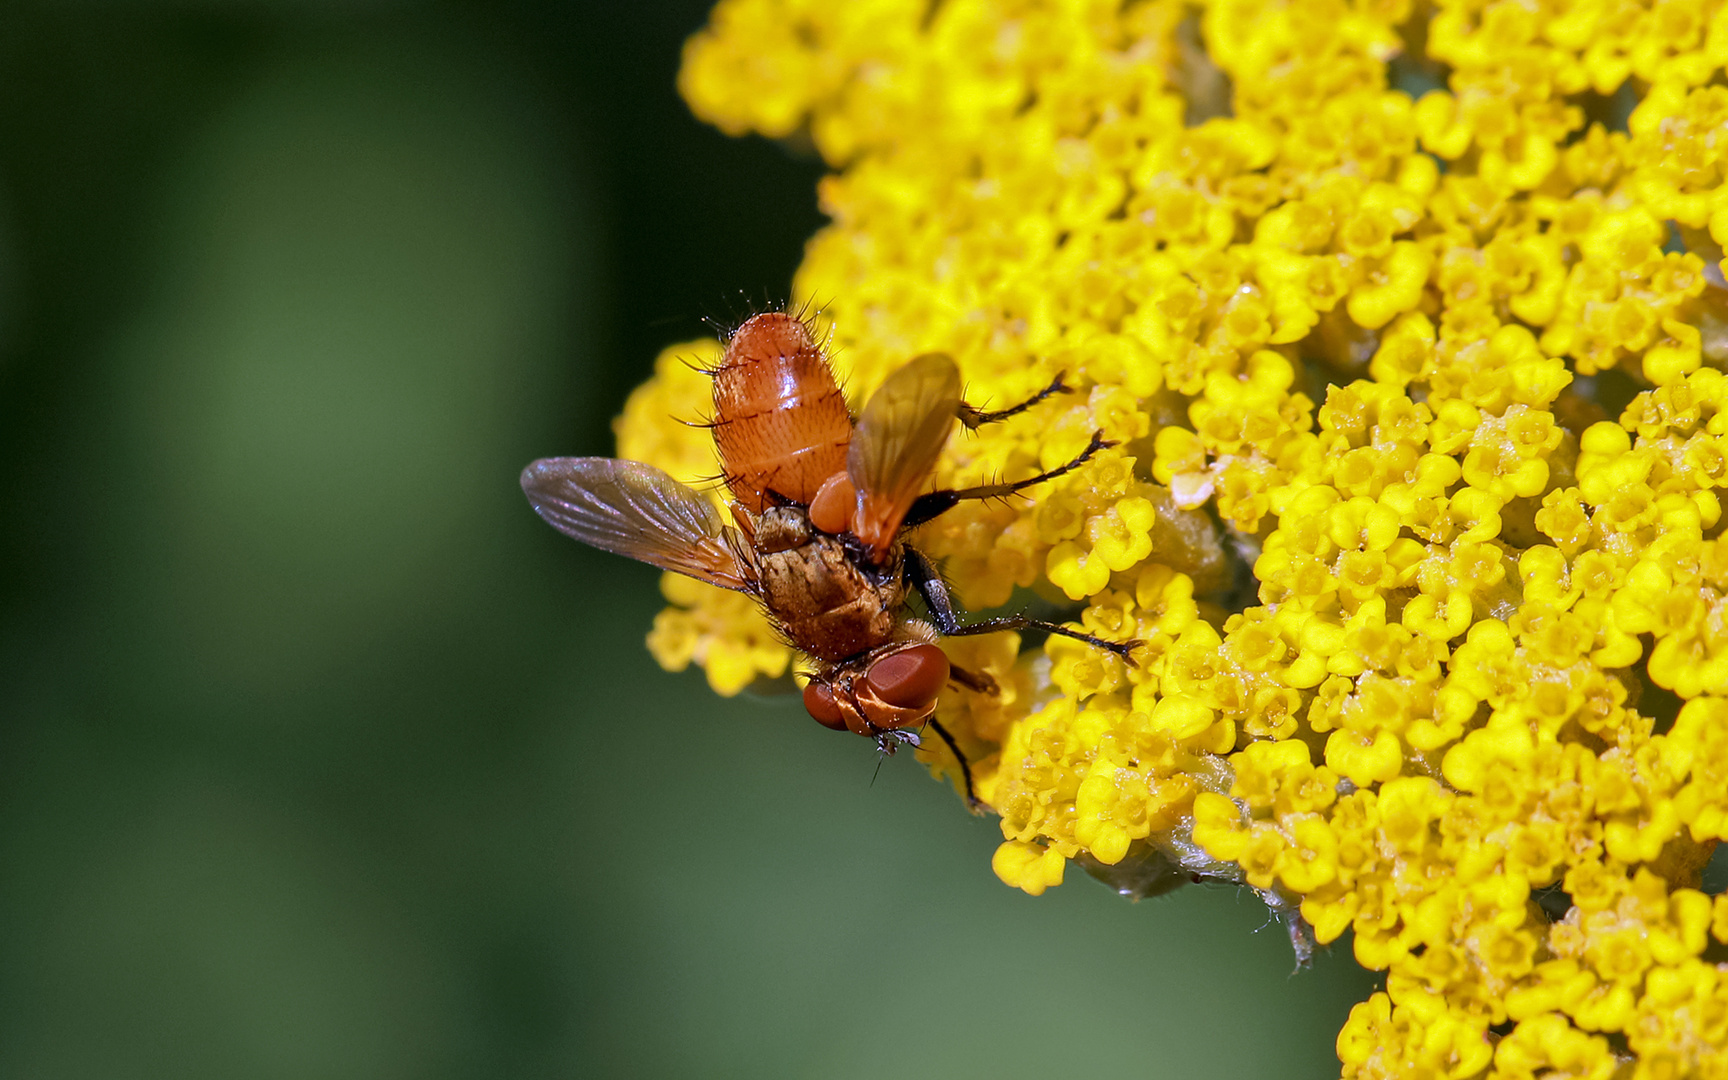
896 443
635 510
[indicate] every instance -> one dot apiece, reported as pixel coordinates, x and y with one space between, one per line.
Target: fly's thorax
829 605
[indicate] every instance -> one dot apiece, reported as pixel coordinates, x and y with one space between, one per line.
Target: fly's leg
921 575
1122 649
974 418
978 682
929 505
972 802
891 740
887 742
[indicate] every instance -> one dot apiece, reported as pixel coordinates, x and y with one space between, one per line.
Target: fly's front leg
973 803
974 418
887 742
927 506
921 575
979 682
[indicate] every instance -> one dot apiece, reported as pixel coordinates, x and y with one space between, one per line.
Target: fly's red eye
910 678
819 702
832 508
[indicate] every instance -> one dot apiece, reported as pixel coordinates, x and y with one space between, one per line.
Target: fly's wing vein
633 509
897 441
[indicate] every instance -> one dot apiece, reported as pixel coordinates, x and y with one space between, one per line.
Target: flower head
1412 346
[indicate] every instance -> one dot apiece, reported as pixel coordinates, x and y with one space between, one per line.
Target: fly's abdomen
780 420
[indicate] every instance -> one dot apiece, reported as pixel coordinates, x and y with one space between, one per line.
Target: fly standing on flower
820 503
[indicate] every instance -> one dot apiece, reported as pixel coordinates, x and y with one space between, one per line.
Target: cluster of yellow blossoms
1409 324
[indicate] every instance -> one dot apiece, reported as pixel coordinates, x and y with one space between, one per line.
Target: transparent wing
635 510
897 441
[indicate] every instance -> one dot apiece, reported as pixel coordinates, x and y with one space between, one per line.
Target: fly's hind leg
974 418
929 505
922 577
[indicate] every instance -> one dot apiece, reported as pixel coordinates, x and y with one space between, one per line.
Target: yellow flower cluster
1421 430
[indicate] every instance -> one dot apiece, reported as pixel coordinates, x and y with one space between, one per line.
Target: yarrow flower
1409 325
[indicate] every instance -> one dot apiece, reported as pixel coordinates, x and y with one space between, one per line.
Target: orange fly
821 502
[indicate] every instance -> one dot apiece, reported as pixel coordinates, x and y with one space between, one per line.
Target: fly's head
884 691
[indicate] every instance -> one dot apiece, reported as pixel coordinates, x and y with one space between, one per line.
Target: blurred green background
323 757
